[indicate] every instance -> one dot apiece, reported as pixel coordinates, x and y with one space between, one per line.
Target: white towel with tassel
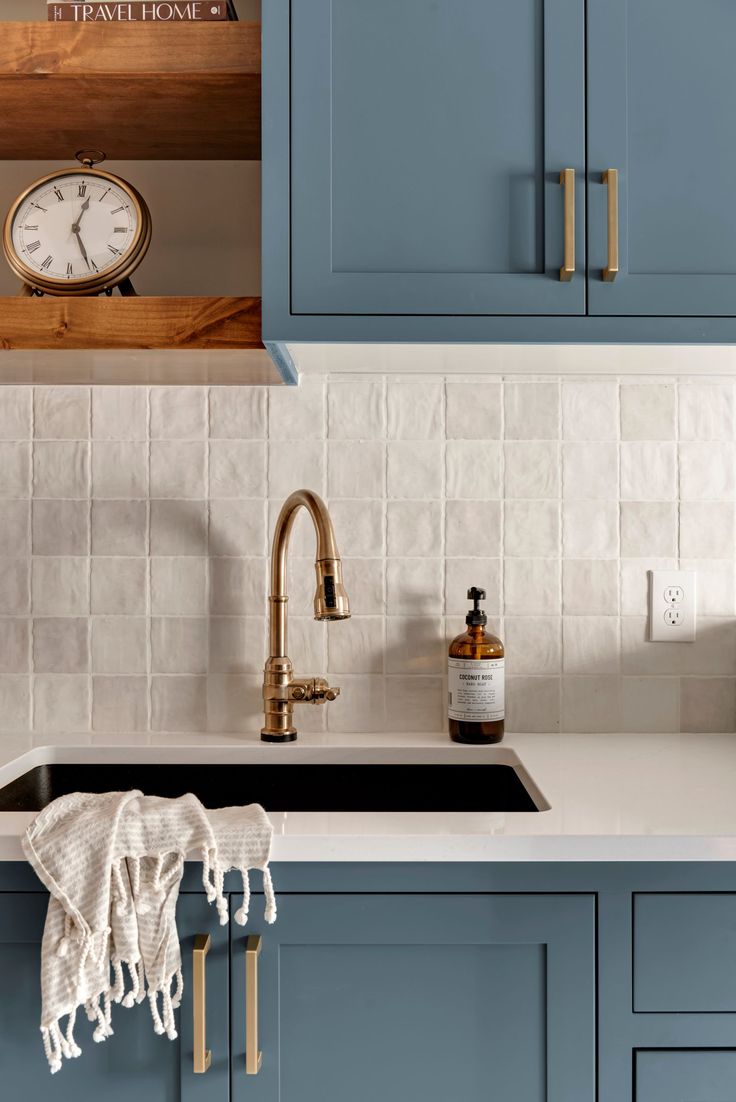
113 864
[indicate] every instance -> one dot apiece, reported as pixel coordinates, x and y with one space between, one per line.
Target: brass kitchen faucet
281 690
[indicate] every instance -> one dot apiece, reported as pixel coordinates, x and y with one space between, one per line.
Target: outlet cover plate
672 606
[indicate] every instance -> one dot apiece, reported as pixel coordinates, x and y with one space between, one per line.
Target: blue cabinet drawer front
685 952
689 1075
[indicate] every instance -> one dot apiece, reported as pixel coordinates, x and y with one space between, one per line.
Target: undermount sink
487 781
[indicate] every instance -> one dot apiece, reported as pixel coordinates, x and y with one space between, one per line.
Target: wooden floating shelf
189 91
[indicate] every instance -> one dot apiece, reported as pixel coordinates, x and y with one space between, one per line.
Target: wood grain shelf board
130 323
189 91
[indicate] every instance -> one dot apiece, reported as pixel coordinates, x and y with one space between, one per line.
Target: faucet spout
280 689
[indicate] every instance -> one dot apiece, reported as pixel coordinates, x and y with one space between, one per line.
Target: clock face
74 226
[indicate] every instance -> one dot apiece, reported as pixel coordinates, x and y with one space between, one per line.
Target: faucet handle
312 690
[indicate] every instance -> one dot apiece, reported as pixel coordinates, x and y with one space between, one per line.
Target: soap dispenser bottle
475 674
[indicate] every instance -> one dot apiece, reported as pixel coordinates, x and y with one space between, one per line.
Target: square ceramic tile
357 409
532 469
119 704
14 646
532 587
650 705
532 645
707 704
532 410
707 471
648 528
474 410
119 413
61 703
415 408
413 586
414 528
178 528
297 413
178 469
416 704
178 586
15 413
415 644
590 410
119 644
461 575
119 528
61 645
590 471
237 644
533 704
15 700
61 413
118 586
237 469
590 529
357 646
706 411
472 528
234 704
356 469
15 529
359 527
238 412
707 529
635 583
648 471
179 704
15 469
179 644
61 469
119 469
238 587
178 412
590 586
415 469
15 588
60 527
716 585
648 411
473 469
532 529
308 640
361 706
295 466
590 644
591 705
364 581
60 586
237 527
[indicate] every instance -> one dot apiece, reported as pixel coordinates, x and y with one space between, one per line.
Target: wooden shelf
138 92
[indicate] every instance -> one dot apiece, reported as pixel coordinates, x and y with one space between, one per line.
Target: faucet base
269 737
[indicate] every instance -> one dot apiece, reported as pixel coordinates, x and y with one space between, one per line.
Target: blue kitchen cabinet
420 996
412 158
661 97
135 1065
686 1076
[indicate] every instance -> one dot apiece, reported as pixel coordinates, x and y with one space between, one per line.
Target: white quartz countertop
612 797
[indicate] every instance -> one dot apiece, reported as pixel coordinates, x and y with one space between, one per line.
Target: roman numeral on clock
39 207
82 190
118 229
114 251
33 246
58 194
69 269
117 210
47 263
94 265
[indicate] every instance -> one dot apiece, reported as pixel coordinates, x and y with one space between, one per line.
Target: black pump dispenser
476 616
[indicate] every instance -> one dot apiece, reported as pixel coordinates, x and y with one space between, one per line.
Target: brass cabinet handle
567 179
202 1055
610 178
252 1055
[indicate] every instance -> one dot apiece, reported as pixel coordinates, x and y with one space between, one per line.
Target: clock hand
81 244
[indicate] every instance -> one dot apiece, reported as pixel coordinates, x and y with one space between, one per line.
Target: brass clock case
100 281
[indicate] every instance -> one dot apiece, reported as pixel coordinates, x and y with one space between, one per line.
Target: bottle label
476 689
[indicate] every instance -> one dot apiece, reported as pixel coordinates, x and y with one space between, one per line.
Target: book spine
138 11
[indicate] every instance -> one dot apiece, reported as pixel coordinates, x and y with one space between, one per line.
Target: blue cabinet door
424 153
686 1076
434 997
135 1065
661 99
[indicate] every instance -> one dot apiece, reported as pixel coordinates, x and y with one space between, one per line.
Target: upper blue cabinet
428 176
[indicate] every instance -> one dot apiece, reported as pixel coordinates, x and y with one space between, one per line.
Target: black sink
287 786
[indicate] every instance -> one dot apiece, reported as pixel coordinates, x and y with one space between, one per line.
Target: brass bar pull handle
610 178
567 179
202 1055
253 1056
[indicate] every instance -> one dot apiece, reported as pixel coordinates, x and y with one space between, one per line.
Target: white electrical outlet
672 606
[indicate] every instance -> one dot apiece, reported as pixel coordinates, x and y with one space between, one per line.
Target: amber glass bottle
475 669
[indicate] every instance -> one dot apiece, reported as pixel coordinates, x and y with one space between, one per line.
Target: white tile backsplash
137 521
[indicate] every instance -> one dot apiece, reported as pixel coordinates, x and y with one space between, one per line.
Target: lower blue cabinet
688 1075
135 1065
432 997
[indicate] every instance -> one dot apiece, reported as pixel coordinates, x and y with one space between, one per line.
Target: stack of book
140 11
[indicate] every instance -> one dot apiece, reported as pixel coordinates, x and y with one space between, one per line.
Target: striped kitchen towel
113 864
